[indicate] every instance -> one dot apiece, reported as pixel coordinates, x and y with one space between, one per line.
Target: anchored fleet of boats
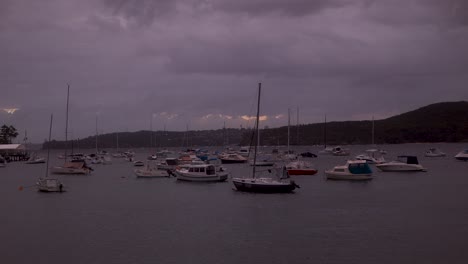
198 166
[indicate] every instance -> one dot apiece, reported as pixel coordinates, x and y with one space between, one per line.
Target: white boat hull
398 167
49 185
462 156
332 175
143 173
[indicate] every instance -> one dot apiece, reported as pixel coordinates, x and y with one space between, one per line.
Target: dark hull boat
264 185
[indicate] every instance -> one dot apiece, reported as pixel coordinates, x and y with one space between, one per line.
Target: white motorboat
201 173
50 185
232 158
356 170
152 157
462 155
138 163
339 151
118 155
151 172
434 152
257 184
370 158
403 163
244 151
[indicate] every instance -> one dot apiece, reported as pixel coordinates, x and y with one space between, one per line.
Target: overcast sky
198 62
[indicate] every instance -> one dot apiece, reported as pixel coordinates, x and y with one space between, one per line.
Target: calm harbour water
111 216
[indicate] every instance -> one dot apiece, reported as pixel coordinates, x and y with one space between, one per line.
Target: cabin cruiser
356 170
201 173
244 151
300 168
462 155
370 158
403 163
434 152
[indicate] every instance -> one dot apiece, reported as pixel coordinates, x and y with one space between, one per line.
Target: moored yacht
300 167
232 158
370 158
356 170
403 163
462 155
201 173
434 152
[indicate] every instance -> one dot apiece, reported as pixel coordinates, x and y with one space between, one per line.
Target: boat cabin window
171 162
210 170
359 168
202 169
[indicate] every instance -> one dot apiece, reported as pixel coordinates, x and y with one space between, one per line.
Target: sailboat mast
325 132
372 130
297 127
117 141
48 146
256 128
289 124
66 122
96 136
151 132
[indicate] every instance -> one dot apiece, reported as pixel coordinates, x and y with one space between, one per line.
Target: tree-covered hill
440 122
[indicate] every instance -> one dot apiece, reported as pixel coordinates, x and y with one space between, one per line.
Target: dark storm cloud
198 62
145 11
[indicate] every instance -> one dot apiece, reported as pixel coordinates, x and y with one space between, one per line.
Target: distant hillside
156 139
441 122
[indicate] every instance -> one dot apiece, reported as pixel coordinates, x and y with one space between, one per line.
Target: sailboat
262 184
48 183
73 167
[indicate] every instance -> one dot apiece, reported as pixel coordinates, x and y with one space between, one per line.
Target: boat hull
201 178
228 161
49 185
402 168
151 173
262 163
301 172
347 176
248 185
462 157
